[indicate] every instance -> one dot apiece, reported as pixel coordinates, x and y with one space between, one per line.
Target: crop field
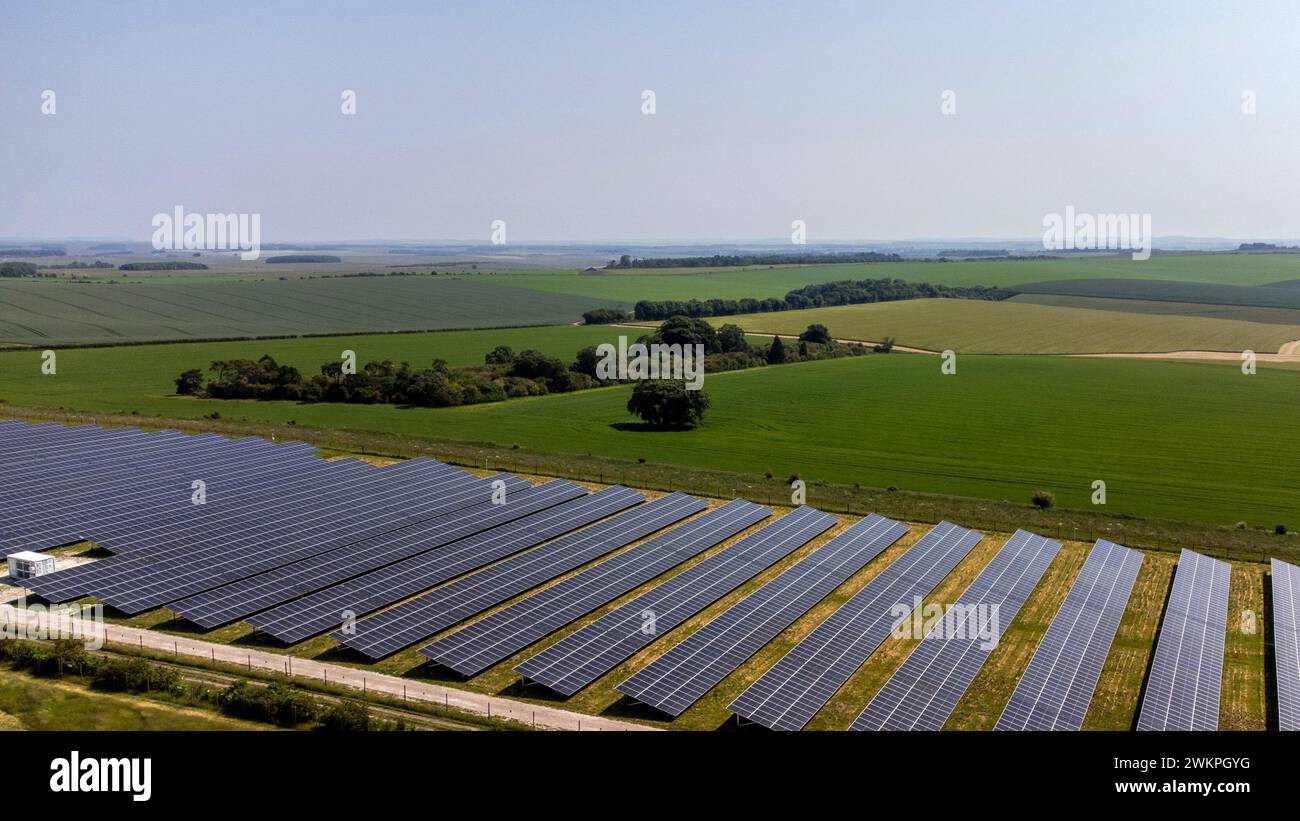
1000 428
254 302
1244 313
1262 296
979 326
630 285
67 313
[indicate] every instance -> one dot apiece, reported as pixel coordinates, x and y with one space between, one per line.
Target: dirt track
1289 352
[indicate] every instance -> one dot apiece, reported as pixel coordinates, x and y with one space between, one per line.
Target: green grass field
140 377
65 313
628 286
30 703
1171 440
978 326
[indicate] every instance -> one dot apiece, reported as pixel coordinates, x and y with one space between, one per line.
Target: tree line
506 374
843 292
163 266
737 260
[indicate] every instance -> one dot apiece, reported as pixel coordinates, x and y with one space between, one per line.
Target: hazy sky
766 113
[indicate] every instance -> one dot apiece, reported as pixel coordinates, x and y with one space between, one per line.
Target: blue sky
766 113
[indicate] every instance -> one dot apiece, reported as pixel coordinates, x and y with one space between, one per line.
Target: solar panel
231 551
1182 691
1286 644
244 597
787 696
500 635
923 692
332 504
682 676
66 485
339 604
409 622
219 523
585 655
1057 687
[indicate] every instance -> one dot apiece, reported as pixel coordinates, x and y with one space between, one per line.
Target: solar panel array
169 561
787 696
1182 691
1286 644
1056 689
229 551
63 484
680 677
407 623
500 635
300 545
923 692
587 654
341 603
229 602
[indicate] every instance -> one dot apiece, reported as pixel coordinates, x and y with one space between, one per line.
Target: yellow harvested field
979 326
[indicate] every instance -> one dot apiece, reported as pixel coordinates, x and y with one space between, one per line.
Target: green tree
500 355
667 404
604 316
17 269
731 339
685 330
190 383
586 361
816 333
776 353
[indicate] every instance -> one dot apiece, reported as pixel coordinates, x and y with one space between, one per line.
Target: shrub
1042 499
346 716
135 676
1279 530
276 703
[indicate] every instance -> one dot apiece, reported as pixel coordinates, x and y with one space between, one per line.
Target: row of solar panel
74 483
352 540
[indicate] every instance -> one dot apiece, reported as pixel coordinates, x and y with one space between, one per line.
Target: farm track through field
866 342
1288 353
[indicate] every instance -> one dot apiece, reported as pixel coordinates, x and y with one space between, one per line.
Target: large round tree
667 404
